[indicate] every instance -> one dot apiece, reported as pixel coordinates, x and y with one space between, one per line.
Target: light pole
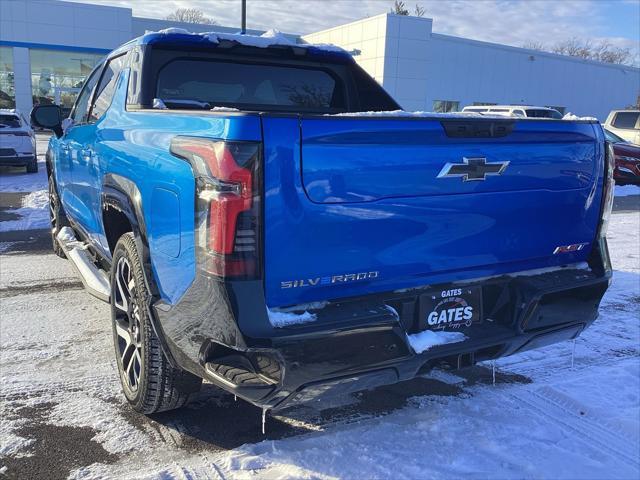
244 17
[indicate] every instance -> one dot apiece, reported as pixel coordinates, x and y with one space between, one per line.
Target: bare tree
603 51
190 15
573 47
399 8
533 45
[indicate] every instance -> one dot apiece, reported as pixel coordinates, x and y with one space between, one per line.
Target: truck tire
56 216
32 167
150 384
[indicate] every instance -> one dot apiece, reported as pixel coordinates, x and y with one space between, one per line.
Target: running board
95 281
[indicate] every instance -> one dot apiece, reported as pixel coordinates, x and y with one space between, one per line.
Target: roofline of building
53 46
528 51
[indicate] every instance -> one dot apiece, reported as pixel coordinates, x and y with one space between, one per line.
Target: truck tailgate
360 205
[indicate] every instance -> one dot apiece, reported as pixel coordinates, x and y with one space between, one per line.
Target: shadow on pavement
215 420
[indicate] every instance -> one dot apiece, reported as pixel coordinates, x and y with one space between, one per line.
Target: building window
483 104
7 85
560 109
443 106
56 76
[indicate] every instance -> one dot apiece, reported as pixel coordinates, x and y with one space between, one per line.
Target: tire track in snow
559 365
30 389
548 403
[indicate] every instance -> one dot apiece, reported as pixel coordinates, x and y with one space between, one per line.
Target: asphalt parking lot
63 414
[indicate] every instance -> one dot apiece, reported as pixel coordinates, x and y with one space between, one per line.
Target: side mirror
48 116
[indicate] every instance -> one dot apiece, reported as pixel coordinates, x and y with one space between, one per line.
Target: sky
512 22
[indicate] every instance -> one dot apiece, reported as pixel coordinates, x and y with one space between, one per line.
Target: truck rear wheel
149 382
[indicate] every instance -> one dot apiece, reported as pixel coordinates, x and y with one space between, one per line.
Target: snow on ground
34 213
61 411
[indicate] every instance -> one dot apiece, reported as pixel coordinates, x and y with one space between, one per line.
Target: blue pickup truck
262 215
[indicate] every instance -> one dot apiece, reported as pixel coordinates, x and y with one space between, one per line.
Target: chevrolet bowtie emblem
473 169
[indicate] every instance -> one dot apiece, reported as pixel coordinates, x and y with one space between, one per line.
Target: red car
627 170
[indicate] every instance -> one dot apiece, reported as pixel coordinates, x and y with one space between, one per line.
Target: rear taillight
227 203
607 201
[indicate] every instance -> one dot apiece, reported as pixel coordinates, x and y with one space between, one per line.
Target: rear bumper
361 343
17 160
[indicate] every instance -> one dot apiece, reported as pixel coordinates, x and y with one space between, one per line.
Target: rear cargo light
609 185
227 203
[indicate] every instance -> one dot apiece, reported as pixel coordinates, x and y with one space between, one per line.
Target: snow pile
420 113
268 39
280 318
406 113
66 235
423 341
159 104
224 109
571 116
34 213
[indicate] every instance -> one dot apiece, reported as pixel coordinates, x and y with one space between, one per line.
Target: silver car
17 141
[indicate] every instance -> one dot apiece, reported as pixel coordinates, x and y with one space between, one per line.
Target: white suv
625 124
17 141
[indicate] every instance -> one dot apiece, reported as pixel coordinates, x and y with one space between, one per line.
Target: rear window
540 113
626 120
10 121
276 87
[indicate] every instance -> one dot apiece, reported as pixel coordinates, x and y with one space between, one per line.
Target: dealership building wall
424 70
47 47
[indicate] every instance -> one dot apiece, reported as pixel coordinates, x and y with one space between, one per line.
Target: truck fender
122 194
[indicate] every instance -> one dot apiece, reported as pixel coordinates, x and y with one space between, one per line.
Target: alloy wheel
128 324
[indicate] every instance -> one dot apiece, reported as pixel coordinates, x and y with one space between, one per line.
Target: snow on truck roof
448 115
269 39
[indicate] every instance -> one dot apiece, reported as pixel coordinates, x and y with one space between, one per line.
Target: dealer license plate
452 309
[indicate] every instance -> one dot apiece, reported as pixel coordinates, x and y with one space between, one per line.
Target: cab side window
81 107
107 87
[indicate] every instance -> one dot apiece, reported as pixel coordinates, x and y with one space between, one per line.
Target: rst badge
453 308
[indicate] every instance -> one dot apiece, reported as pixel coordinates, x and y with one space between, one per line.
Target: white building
424 70
47 47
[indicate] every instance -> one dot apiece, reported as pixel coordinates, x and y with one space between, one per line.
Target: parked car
255 230
627 158
17 141
625 124
515 111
